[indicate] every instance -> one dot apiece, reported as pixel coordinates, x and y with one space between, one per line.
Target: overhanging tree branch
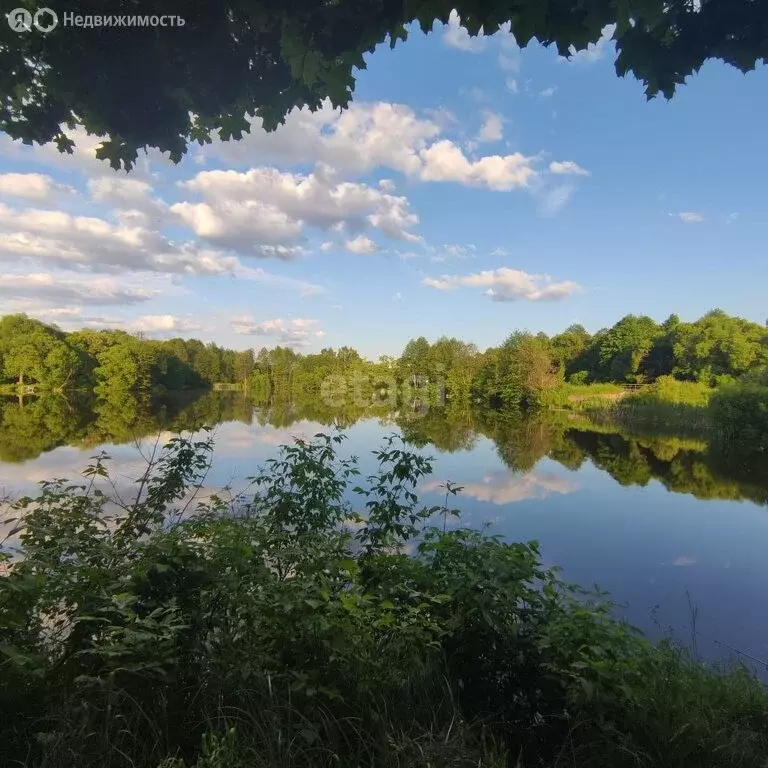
163 87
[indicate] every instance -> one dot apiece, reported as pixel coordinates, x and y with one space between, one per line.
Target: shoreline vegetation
708 377
288 627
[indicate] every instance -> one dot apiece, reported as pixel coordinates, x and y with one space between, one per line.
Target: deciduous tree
212 64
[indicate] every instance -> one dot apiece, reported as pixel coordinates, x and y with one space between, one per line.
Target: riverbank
734 415
272 639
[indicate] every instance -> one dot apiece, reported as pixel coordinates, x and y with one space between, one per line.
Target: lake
661 521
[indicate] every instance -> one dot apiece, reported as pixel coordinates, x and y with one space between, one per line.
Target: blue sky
471 190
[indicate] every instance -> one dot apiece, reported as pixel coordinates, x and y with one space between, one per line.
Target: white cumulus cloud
567 168
82 159
67 288
506 284
30 186
132 198
58 239
149 325
298 332
357 140
53 239
361 245
266 207
369 136
444 161
491 129
163 324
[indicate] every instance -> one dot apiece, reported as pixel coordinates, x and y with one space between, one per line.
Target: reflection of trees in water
622 459
521 441
448 429
36 425
682 465
39 424
120 418
567 453
123 416
283 414
206 410
694 469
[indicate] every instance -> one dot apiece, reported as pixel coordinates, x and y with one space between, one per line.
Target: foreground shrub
314 622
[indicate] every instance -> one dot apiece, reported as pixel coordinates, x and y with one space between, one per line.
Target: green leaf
310 67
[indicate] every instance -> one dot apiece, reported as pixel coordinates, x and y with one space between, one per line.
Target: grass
682 715
579 396
285 628
662 417
667 406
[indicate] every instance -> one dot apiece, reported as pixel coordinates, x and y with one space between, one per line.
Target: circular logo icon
45 20
19 20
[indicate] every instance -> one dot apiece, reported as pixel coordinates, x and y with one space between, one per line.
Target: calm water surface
656 520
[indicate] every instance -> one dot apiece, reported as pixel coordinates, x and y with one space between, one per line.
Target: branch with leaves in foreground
201 69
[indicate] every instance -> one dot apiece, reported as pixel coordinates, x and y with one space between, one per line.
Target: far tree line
715 349
33 353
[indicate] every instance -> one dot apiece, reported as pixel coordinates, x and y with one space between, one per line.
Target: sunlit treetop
164 86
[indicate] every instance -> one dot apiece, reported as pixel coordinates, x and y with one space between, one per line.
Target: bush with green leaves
319 619
739 414
669 390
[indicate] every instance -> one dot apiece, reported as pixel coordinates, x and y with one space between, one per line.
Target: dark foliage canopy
165 86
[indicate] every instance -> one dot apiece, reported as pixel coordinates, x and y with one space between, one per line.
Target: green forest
47 358
709 374
716 349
